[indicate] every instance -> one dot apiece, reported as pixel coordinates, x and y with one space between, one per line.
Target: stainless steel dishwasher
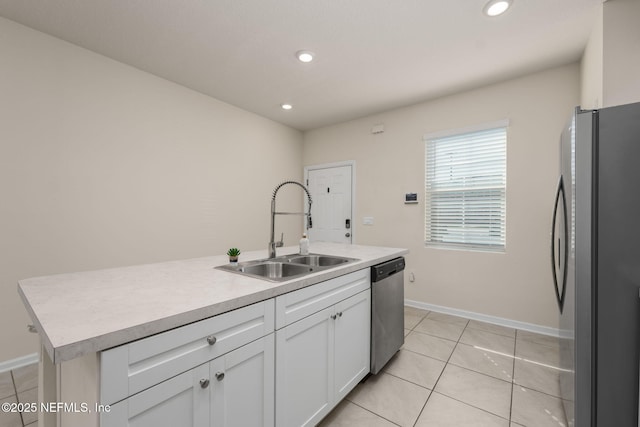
387 312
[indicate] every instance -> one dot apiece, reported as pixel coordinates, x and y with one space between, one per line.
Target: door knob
347 235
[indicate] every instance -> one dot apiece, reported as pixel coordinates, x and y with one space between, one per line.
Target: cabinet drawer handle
333 316
340 314
204 383
211 340
219 376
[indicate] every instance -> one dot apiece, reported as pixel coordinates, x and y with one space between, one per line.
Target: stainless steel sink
286 267
275 270
319 260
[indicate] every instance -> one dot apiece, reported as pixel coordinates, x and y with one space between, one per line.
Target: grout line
13 382
377 415
425 402
513 377
446 363
472 406
406 380
482 373
425 355
471 370
538 391
15 388
434 384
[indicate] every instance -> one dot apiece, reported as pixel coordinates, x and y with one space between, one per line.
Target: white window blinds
466 177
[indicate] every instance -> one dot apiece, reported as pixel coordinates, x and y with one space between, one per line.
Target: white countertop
81 313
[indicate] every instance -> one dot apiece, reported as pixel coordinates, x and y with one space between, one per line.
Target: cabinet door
304 370
352 342
242 386
180 401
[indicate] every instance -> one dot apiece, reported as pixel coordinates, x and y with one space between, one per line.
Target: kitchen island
93 324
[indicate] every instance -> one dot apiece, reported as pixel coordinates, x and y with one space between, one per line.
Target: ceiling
371 55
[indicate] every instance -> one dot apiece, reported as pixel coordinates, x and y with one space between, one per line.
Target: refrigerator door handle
554 269
566 242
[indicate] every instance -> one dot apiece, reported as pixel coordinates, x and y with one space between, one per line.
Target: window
465 179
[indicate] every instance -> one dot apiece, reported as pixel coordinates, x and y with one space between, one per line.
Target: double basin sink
286 267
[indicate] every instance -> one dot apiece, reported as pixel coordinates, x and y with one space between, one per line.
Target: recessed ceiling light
286 106
496 7
304 56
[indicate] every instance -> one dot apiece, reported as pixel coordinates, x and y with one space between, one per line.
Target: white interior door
331 211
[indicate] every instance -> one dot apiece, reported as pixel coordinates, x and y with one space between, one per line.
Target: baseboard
19 362
530 327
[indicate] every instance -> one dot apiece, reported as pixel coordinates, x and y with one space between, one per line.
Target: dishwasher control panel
386 269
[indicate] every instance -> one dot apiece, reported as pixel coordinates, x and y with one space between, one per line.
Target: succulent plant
233 252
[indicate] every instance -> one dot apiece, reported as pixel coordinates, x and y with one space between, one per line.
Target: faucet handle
281 242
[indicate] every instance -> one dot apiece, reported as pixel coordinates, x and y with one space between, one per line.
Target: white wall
621 52
611 60
592 67
514 285
103 165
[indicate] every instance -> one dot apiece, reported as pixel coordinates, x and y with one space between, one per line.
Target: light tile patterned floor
19 386
457 372
451 371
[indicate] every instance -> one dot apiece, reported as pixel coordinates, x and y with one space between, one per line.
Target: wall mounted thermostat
410 198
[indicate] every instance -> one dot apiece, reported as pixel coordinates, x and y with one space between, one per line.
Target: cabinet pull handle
204 383
333 316
211 340
219 376
340 314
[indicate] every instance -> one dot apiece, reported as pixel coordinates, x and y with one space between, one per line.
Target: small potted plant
233 255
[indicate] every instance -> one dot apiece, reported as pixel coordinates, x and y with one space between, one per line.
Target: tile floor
457 372
451 371
19 385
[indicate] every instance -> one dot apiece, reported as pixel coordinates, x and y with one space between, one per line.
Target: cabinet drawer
299 304
133 367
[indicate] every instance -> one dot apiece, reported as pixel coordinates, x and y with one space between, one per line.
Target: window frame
429 234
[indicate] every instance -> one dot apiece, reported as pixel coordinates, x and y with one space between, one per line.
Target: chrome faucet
272 243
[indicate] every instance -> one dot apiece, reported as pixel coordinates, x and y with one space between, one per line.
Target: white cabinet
321 357
179 401
242 386
352 343
133 367
216 372
304 370
299 304
235 389
233 370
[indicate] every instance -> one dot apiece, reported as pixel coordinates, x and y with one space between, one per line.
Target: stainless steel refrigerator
595 254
